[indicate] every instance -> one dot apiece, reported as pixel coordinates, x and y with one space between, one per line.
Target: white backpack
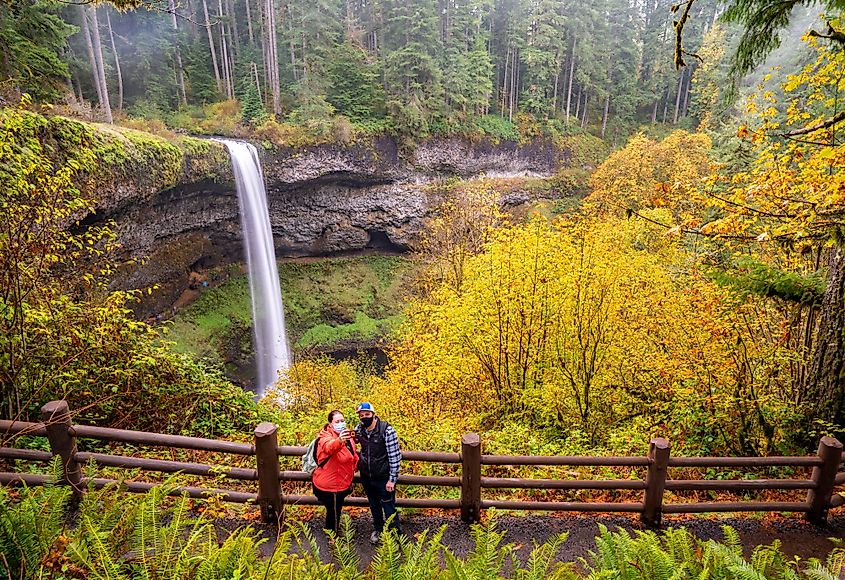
309 459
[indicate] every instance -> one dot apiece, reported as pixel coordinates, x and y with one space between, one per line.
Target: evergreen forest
414 69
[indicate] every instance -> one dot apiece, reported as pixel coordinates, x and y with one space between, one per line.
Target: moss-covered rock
128 164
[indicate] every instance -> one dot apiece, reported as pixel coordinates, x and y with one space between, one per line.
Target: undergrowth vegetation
63 332
115 536
328 303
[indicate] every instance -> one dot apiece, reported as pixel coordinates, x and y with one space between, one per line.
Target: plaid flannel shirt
394 454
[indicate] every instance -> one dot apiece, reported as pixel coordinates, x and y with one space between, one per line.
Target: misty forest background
415 68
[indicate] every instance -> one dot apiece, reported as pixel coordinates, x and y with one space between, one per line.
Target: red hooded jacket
336 474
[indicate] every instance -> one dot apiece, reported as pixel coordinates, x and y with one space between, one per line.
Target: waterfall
268 314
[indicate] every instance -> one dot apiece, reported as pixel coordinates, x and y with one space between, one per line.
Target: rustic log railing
56 425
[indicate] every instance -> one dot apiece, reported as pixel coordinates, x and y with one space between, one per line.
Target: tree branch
679 28
837 118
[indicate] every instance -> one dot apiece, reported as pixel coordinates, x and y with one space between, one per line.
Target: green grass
327 302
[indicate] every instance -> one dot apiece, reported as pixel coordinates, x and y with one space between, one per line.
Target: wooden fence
56 425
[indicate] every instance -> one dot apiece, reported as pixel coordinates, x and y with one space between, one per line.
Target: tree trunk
604 117
291 45
571 74
89 45
211 48
262 39
578 104
511 99
234 36
665 104
224 52
586 102
678 97
98 57
249 30
518 80
180 70
116 64
557 81
254 68
825 386
505 79
654 112
273 52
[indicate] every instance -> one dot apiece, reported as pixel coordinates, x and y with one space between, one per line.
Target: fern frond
487 557
96 554
387 561
732 540
456 568
311 561
344 551
421 559
541 558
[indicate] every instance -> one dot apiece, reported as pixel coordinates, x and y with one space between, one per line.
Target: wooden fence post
471 478
655 481
267 463
56 417
824 476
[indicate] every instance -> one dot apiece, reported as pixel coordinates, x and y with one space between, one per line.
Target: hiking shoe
375 536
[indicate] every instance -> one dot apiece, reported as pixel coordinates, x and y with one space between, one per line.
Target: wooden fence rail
62 435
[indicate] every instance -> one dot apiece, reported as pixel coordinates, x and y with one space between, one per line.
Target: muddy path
797 537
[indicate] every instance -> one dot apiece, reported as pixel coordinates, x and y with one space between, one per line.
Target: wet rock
322 200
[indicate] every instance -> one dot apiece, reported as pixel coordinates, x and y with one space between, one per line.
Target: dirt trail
798 538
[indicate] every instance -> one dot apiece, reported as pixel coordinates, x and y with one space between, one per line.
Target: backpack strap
320 464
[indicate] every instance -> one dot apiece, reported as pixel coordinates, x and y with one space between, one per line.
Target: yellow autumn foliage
649 174
794 189
582 325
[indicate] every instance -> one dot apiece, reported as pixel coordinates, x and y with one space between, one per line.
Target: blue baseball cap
365 407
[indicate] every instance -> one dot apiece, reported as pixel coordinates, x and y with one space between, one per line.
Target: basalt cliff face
323 200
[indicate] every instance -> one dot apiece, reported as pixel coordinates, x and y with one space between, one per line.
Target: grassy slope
327 301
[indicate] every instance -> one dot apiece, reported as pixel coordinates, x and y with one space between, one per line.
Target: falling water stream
268 314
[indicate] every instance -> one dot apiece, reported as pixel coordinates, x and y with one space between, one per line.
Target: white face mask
339 427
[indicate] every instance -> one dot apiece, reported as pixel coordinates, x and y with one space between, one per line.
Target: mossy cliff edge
173 204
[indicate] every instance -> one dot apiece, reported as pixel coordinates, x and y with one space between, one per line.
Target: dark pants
382 503
333 501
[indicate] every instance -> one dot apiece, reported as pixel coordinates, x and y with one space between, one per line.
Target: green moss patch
328 302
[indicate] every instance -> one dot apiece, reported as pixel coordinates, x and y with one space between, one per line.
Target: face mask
367 421
339 427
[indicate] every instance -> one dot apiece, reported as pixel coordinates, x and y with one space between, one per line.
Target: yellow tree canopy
795 186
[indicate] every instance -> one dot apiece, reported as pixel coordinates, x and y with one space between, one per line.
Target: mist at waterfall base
268 315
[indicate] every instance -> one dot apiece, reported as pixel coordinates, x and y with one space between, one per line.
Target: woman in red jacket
336 460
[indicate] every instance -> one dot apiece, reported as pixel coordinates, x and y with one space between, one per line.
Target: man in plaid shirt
379 466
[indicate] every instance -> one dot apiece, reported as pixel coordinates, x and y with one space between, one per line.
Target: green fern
421 558
387 561
236 557
29 527
732 540
344 552
486 559
311 562
541 561
95 553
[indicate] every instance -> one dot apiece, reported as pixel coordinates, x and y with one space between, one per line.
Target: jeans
333 500
382 503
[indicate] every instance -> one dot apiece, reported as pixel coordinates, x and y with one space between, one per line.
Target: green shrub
498 128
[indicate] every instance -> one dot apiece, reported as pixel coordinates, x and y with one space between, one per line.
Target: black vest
373 463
